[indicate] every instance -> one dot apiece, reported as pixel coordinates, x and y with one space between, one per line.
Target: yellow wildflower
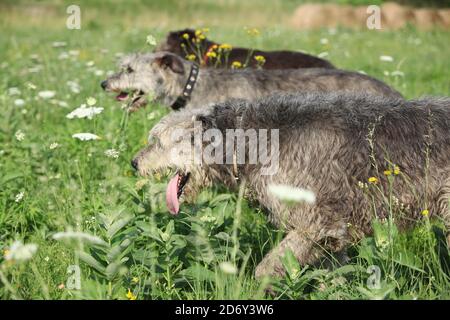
260 59
373 180
205 30
211 54
253 32
425 213
186 36
387 172
135 280
130 295
6 252
236 65
225 47
396 170
191 57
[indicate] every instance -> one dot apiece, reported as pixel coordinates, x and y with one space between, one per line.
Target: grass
210 250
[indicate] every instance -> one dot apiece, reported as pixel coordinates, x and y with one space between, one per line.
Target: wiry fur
164 75
328 143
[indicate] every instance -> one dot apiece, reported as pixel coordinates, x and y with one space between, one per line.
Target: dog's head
153 75
172 146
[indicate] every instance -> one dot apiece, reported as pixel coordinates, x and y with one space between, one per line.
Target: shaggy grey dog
164 77
346 149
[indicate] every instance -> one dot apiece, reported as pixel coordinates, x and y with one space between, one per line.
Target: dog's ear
172 62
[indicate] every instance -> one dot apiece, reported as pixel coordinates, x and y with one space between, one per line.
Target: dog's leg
304 249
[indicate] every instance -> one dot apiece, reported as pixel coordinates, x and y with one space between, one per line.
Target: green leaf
91 261
116 226
199 273
291 264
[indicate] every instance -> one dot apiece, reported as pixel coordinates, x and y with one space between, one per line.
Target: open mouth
175 190
135 98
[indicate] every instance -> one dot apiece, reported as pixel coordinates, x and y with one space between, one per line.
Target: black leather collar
188 88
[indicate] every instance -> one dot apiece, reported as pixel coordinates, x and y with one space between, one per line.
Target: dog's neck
185 96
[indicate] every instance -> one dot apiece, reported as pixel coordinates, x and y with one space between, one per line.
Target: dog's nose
134 164
104 84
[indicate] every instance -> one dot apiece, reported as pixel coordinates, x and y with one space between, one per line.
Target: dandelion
21 252
185 36
425 212
19 197
228 267
19 135
53 146
292 194
387 172
135 280
236 65
150 40
373 180
112 153
19 102
254 32
46 94
84 112
130 295
260 59
225 47
191 57
386 58
81 236
85 136
396 170
211 54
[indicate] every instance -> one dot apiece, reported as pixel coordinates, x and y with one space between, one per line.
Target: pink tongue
122 96
171 196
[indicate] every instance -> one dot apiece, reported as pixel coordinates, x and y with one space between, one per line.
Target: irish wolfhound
184 43
178 83
347 149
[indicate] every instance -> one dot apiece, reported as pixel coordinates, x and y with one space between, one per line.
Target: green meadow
76 222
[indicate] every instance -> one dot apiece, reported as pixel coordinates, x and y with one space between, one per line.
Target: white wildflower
91 101
292 194
323 54
19 102
58 44
19 135
99 72
74 52
73 86
31 86
151 40
21 252
19 197
90 63
85 136
13 91
47 259
35 69
84 112
397 73
324 41
386 58
46 94
63 55
54 145
228 267
81 236
112 153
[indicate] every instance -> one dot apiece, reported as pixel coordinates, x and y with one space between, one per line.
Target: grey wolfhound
347 149
172 81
